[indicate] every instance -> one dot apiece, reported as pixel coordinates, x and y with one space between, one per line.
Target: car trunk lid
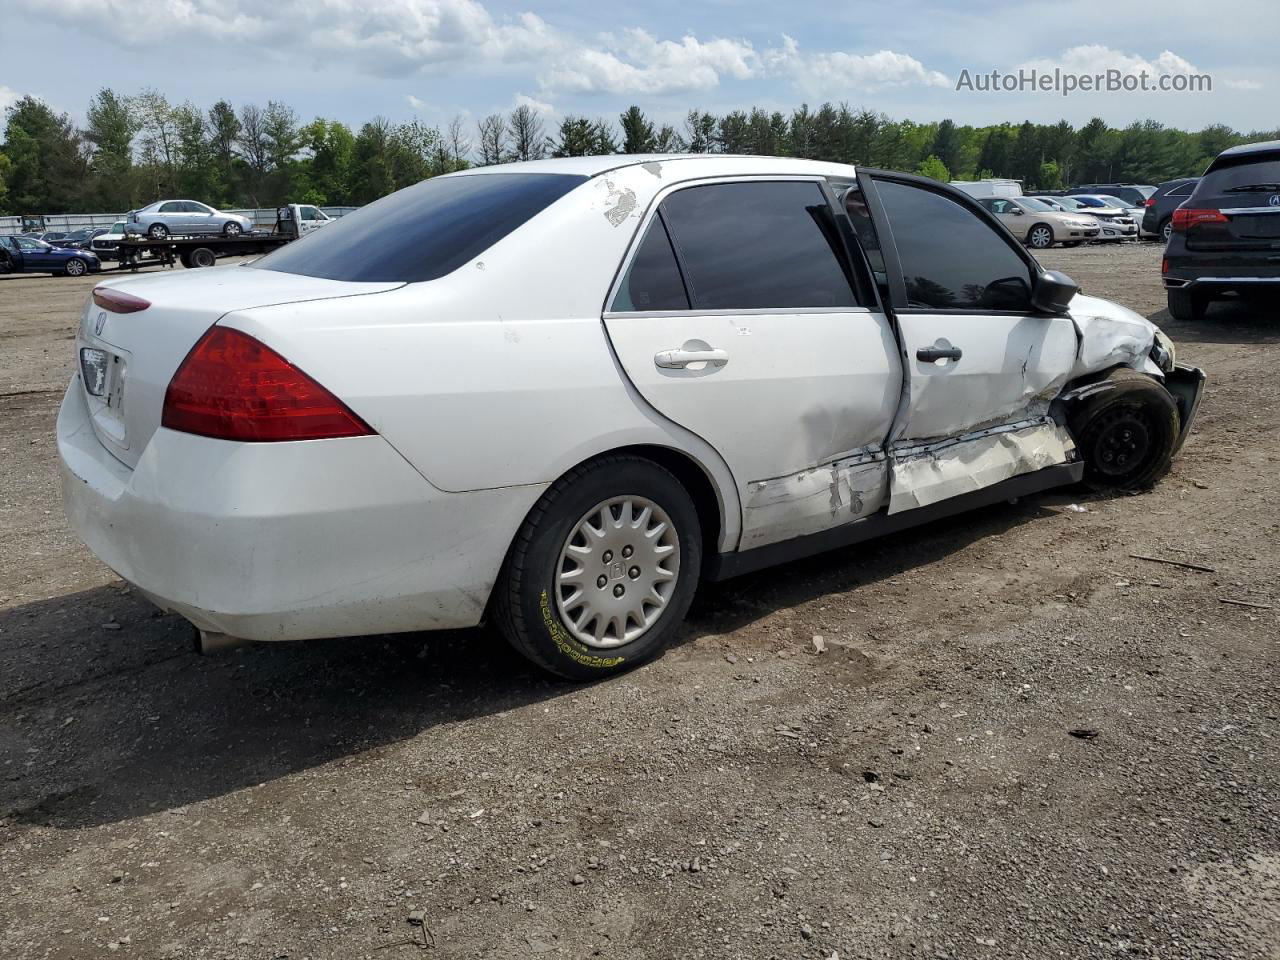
1247 197
126 359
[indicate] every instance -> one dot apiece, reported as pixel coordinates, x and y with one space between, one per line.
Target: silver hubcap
1040 238
617 571
75 268
233 229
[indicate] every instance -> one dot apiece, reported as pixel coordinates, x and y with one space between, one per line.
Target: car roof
682 165
1244 149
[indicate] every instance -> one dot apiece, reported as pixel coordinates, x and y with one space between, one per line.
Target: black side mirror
1052 292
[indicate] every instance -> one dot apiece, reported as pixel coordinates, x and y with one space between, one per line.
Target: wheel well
1047 226
695 480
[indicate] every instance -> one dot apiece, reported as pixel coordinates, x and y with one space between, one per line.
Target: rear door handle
931 354
679 359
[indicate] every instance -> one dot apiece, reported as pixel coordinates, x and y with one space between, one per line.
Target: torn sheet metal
1110 336
814 500
922 475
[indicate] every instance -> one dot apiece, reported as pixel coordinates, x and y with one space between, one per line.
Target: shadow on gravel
725 606
101 725
107 714
1227 321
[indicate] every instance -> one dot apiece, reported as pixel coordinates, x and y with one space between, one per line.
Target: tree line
135 149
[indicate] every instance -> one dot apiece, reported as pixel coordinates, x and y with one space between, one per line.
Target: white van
990 187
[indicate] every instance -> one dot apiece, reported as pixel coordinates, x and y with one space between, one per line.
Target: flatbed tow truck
135 252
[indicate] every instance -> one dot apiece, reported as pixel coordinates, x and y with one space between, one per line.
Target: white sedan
557 394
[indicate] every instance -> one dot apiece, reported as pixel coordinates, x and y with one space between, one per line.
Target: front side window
759 246
173 206
653 280
952 260
422 232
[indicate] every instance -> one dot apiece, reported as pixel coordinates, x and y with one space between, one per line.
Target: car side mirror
1018 212
1052 292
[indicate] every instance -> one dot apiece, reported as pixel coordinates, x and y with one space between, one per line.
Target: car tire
1126 434
1186 305
200 257
1166 230
1040 237
75 267
232 229
158 231
549 602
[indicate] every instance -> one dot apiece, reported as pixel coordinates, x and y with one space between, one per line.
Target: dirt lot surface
914 791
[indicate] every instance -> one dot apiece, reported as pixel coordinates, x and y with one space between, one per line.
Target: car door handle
679 359
931 354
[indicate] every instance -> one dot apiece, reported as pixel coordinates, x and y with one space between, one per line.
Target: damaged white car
557 394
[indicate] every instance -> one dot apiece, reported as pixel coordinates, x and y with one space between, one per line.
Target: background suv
1224 240
166 218
1157 218
1134 194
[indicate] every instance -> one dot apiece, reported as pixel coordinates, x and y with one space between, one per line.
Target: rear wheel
158 231
1187 305
201 257
1166 230
1126 434
603 570
1040 236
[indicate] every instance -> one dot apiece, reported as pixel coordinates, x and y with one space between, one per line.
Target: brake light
117 301
1149 202
233 387
1184 219
1164 266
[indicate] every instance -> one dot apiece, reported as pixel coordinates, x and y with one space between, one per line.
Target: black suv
1134 194
1157 219
1225 238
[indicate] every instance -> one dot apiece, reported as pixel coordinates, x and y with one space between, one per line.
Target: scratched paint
813 500
620 203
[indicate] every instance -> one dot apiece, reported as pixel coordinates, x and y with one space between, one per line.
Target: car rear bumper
286 541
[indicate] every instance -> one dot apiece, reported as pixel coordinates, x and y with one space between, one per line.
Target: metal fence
263 218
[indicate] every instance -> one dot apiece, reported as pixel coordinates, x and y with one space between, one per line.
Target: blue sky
351 59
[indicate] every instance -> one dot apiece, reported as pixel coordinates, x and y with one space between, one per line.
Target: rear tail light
1184 219
233 387
117 301
1164 266
1149 202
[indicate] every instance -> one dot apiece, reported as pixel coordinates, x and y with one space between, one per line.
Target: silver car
184 218
1116 221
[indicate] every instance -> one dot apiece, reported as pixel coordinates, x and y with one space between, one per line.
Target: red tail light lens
233 387
1183 219
1150 202
117 301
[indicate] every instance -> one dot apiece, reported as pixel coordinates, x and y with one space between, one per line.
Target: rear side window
952 260
1182 191
422 232
653 280
759 246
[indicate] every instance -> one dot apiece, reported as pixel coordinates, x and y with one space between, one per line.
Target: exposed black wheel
158 231
1040 237
201 257
76 267
1126 434
603 570
232 229
1166 230
1185 304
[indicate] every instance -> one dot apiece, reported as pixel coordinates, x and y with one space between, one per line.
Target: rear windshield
422 232
1245 178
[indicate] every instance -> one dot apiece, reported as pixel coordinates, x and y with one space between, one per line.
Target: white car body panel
486 385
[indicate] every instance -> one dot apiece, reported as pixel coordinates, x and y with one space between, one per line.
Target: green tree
576 138
48 169
112 125
637 131
932 166
332 148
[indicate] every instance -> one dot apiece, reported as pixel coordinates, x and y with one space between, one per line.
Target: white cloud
1095 59
636 62
841 75
387 38
416 102
538 106
8 97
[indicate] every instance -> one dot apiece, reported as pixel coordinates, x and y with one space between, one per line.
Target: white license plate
93 370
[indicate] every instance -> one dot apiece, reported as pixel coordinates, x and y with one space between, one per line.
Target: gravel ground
1020 740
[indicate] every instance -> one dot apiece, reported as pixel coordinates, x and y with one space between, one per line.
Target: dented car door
739 315
981 365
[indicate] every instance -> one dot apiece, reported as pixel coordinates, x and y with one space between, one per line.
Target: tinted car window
1182 191
173 206
950 258
1261 177
653 280
759 245
422 232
